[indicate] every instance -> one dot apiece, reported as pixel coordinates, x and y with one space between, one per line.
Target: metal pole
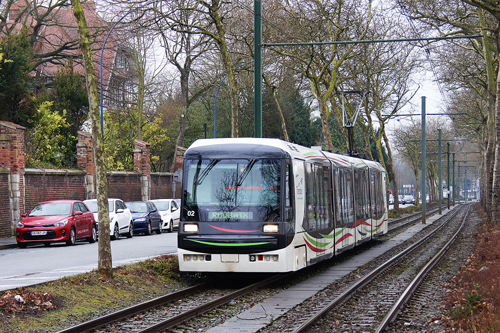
448 181
458 179
454 191
423 162
440 176
258 69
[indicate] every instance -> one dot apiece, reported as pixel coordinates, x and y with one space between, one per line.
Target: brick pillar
142 164
12 157
85 155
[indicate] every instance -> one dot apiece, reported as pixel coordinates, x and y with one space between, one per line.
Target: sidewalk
7 243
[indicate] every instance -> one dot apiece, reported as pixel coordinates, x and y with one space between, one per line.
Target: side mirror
174 209
120 210
24 215
78 212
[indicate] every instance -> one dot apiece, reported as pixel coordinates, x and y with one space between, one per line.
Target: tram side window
346 202
288 199
373 195
366 197
328 220
350 203
336 196
310 219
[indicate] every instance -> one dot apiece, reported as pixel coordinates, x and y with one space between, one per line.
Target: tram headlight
190 227
270 228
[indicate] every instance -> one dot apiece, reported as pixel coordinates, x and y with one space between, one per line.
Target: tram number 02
190 213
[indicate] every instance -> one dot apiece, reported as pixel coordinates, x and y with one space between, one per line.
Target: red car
57 221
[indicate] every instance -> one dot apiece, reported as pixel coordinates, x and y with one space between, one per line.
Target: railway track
144 317
168 311
384 290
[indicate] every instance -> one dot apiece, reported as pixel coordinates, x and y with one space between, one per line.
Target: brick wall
125 186
44 185
5 214
21 189
161 186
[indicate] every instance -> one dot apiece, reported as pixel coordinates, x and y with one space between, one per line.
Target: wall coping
161 174
54 171
124 173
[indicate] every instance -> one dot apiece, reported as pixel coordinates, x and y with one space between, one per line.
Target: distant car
402 200
170 213
391 199
120 217
409 199
56 221
146 217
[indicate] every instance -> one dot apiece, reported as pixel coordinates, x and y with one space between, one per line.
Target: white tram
266 205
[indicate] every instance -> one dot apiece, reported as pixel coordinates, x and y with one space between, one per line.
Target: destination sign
230 215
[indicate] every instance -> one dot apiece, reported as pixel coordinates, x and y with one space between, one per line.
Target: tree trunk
278 105
104 266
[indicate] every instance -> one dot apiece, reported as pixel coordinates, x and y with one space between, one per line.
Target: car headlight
142 219
61 223
20 224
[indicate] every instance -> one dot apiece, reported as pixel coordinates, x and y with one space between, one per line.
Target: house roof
61 29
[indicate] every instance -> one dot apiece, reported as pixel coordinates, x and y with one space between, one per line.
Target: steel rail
180 318
417 281
127 312
369 277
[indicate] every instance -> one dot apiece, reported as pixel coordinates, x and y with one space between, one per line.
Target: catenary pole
258 69
423 162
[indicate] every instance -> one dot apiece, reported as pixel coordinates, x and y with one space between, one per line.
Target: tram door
318 221
346 209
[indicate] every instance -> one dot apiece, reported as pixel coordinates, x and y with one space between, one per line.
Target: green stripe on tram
229 244
314 242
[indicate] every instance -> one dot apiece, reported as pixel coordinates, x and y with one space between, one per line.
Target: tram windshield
232 190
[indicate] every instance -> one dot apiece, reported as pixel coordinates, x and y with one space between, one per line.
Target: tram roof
270 148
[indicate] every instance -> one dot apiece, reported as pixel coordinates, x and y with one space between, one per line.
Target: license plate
38 233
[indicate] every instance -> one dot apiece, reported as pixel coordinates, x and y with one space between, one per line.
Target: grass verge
55 305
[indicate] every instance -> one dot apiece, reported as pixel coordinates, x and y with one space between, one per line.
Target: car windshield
137 207
162 205
92 204
50 209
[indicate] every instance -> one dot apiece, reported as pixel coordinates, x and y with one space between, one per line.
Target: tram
258 205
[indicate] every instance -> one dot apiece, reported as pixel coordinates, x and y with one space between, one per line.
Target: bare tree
105 266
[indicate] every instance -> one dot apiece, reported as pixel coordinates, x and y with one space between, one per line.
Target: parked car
170 213
409 199
56 221
146 217
402 200
120 217
391 199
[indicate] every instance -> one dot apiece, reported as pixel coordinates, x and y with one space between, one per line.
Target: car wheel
148 231
130 230
116 233
93 236
72 237
22 245
159 228
171 226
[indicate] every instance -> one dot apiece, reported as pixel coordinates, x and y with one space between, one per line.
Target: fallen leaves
21 301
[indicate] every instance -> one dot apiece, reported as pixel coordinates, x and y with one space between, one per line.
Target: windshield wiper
245 172
205 172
